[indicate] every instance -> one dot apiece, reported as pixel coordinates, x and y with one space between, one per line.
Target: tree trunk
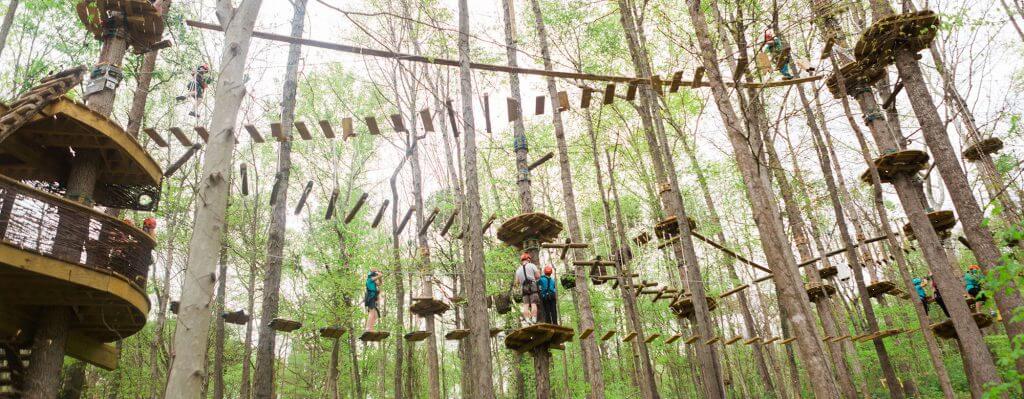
74 381
218 343
245 386
766 215
5 27
190 338
144 81
478 354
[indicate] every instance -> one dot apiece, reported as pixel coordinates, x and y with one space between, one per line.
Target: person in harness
548 296
780 54
371 299
921 294
526 278
197 87
972 282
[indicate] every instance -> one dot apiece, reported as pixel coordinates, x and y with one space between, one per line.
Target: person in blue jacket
548 296
919 287
972 282
371 299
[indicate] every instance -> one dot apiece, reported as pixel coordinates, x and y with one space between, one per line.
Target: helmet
548 270
149 223
917 281
203 68
525 256
974 267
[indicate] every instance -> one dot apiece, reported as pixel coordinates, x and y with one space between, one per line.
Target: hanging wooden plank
371 124
155 136
277 131
355 209
397 123
243 174
586 333
734 290
448 224
677 80
675 337
585 97
514 111
609 94
303 130
429 221
255 134
651 338
631 91
451 118
540 161
304 197
325 126
180 135
608 335
563 101
380 213
346 129
333 202
275 189
405 220
539 106
181 161
629 337
487 114
427 120
487 225
656 85
698 74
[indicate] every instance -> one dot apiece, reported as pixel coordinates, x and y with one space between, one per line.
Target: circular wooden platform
143 23
669 228
907 162
818 291
880 288
856 77
529 226
684 306
946 330
942 221
911 32
990 145
828 272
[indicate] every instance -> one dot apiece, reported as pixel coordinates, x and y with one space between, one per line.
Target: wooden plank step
787 341
586 333
455 335
675 337
712 340
629 337
651 337
692 339
751 341
303 130
733 340
608 335
374 336
155 136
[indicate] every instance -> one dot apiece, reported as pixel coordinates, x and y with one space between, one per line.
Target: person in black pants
938 296
548 296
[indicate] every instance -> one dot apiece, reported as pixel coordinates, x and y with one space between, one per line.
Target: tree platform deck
538 336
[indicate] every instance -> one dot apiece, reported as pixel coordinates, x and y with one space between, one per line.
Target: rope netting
51 226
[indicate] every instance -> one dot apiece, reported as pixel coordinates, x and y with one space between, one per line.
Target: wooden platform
651 338
424 307
669 228
237 317
911 32
942 221
608 335
734 340
828 272
880 288
284 325
629 337
529 226
538 336
642 239
691 339
946 330
675 337
855 76
145 25
818 292
455 335
332 332
990 145
417 336
907 162
374 336
683 307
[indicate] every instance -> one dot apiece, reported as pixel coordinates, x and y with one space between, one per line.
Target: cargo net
119 196
51 226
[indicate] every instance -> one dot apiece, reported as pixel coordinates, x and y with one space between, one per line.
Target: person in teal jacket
919 287
371 299
548 296
972 282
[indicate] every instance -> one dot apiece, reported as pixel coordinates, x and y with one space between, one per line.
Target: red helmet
548 270
525 256
974 267
149 223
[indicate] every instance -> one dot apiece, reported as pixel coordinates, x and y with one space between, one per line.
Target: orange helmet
525 256
548 270
974 267
149 223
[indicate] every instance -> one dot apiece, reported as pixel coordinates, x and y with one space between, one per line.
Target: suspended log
155 136
359 205
429 221
303 130
243 173
304 197
427 120
451 118
448 224
255 134
609 94
380 213
331 204
325 126
181 161
405 220
540 161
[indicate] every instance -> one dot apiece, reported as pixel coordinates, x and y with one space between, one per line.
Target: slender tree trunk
479 354
144 80
192 334
245 386
218 351
74 381
5 27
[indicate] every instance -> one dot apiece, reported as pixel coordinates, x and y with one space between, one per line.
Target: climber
919 287
780 54
548 296
149 226
372 298
526 278
938 296
972 281
197 87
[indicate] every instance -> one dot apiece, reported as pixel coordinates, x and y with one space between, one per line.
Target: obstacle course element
669 227
733 340
456 335
284 325
424 307
942 222
907 162
856 77
374 336
529 226
987 146
946 330
629 337
237 317
417 336
828 272
538 337
819 291
142 22
691 339
733 291
911 32
877 289
332 332
608 335
675 337
683 307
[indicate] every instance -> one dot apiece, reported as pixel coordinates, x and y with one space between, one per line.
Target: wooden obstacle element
332 332
787 341
332 203
181 160
565 247
911 32
455 335
733 291
942 222
448 224
594 262
586 333
424 307
144 25
712 340
405 220
417 336
987 146
629 337
175 306
770 340
878 335
819 291
877 289
691 339
675 337
683 307
237 317
538 336
495 331
733 340
946 330
906 162
355 208
243 174
380 213
608 335
374 336
669 228
752 341
856 76
429 221
284 325
304 197
651 338
828 272
642 239
529 226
